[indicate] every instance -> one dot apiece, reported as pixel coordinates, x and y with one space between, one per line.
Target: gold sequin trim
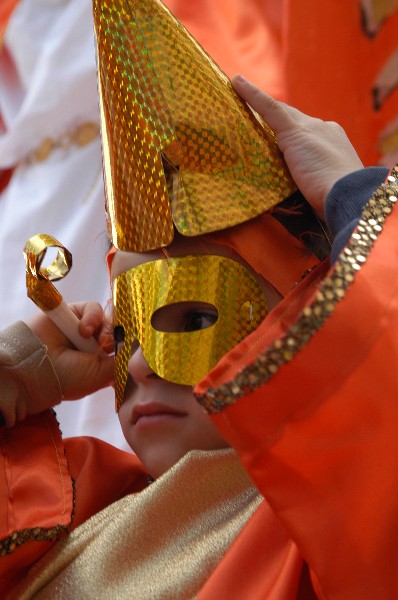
81 136
35 534
330 292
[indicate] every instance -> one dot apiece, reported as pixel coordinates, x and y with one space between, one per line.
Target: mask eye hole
118 338
184 316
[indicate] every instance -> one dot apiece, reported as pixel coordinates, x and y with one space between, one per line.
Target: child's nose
138 367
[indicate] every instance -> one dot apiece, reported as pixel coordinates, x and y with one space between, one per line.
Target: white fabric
48 88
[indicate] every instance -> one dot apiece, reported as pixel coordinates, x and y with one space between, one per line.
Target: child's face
161 420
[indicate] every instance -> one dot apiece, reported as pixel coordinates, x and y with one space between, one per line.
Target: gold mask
180 147
184 357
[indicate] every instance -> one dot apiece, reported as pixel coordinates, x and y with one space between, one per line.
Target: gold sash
163 542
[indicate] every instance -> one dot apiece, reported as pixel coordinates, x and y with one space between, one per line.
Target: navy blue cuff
345 202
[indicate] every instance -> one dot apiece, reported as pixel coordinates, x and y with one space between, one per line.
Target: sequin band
330 292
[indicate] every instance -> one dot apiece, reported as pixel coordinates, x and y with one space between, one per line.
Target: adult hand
317 152
79 373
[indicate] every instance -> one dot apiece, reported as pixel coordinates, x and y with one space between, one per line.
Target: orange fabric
270 250
334 60
34 501
37 481
321 443
242 37
336 70
103 474
21 469
36 488
6 8
262 563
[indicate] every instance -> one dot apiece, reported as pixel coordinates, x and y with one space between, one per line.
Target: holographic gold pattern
179 145
183 356
38 278
330 292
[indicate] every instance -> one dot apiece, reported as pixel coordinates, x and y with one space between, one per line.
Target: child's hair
297 216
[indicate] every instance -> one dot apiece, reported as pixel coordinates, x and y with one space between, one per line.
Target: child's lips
151 412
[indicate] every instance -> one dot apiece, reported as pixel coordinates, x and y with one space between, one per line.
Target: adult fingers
277 115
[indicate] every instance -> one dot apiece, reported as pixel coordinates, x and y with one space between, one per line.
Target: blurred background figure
336 62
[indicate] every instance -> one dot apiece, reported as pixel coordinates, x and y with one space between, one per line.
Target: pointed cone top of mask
180 148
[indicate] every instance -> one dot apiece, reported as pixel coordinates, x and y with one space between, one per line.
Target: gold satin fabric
163 542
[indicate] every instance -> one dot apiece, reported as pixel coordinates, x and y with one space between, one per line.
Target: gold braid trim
34 534
330 292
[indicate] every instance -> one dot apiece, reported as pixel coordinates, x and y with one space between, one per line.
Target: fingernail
89 330
240 78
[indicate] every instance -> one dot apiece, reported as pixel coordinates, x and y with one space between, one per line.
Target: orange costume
308 402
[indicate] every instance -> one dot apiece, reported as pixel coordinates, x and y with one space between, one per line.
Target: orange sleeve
102 474
315 416
49 486
36 499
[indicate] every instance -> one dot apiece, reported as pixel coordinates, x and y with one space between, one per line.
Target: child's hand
317 152
79 373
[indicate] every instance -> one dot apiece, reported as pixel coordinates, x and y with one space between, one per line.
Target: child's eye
199 319
184 316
